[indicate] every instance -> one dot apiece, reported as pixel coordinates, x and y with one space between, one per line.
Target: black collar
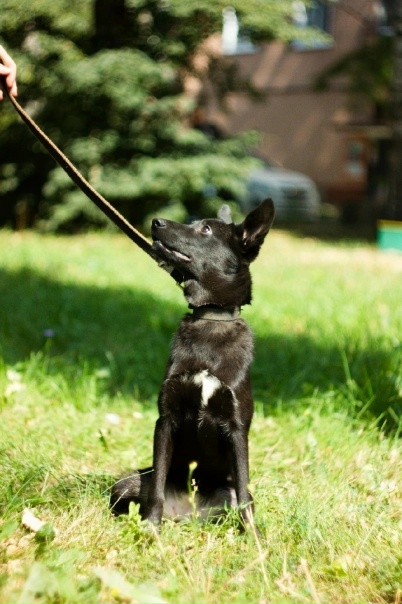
215 313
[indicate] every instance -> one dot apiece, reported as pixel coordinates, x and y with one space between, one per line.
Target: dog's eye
206 229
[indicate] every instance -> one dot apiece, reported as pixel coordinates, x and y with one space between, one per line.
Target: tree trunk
394 205
112 24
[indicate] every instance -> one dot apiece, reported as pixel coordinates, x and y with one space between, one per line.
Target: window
234 40
316 14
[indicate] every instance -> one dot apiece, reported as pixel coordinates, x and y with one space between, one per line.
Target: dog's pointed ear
255 228
224 214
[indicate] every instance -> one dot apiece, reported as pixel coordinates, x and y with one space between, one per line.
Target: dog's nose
158 222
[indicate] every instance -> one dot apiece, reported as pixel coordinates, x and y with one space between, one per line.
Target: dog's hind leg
132 487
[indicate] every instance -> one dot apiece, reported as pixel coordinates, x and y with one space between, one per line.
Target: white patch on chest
209 385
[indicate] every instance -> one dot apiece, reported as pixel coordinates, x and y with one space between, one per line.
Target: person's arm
8 68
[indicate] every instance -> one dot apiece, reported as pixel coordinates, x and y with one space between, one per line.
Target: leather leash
86 188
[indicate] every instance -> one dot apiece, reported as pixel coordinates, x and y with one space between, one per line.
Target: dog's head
213 255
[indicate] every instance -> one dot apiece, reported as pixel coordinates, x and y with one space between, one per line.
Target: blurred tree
374 75
394 205
369 75
105 79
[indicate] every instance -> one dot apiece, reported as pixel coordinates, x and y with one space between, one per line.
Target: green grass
85 327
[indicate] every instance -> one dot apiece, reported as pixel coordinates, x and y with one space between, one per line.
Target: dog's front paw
153 515
247 516
150 529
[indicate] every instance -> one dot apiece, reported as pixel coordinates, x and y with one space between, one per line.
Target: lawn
85 327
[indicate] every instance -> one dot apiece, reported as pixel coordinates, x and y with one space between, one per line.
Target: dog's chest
212 352
200 399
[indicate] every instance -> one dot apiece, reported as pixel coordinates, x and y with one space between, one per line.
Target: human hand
8 68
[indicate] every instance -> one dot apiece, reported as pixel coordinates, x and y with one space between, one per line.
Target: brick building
319 134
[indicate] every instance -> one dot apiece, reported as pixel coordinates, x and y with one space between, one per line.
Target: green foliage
368 72
105 79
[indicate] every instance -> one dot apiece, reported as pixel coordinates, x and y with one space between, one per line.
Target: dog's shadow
130 330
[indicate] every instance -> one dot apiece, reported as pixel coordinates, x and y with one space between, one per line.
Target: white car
295 195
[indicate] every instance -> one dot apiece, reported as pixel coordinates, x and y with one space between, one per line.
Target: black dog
205 403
